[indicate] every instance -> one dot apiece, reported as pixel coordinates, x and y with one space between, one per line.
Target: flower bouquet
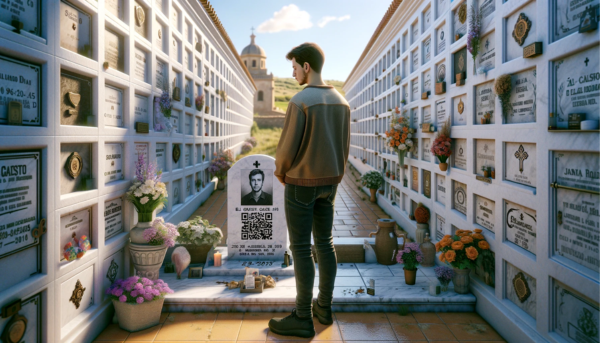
198 236
399 137
473 37
502 88
161 233
442 145
372 180
162 112
199 102
138 301
147 192
444 275
220 165
410 256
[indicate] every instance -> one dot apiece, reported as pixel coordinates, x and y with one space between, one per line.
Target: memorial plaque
523 97
188 186
114 7
161 156
160 33
568 16
414 60
161 75
485 103
405 68
441 8
484 212
141 22
405 203
175 121
76 296
20 82
575 316
414 185
486 154
427 183
188 124
442 38
188 155
176 193
519 33
141 149
78 223
521 289
69 183
577 86
520 225
459 20
113 217
113 50
486 8
440 195
160 5
520 164
113 268
486 59
460 154
140 68
426 154
427 82
414 85
140 108
459 113
578 170
427 50
440 224
29 16
75 30
175 19
414 29
427 114
20 202
75 111
113 167
459 197
440 111
113 106
175 49
460 64
414 120
257 225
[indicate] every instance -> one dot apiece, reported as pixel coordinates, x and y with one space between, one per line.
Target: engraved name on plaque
140 108
113 166
440 191
460 154
114 7
113 217
459 197
520 164
442 39
113 106
484 212
113 50
520 225
140 68
486 59
28 15
568 16
523 97
75 30
20 82
440 111
485 103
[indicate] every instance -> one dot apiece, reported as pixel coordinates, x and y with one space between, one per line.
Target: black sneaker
293 325
323 314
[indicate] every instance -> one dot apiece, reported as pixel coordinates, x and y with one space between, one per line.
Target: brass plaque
176 94
77 294
74 165
140 16
15 329
176 153
15 113
522 27
142 127
461 106
462 13
198 47
484 179
521 287
532 50
76 99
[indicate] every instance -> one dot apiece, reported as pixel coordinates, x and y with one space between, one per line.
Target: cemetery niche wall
524 167
77 87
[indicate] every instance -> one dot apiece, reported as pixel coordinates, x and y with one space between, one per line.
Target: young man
310 161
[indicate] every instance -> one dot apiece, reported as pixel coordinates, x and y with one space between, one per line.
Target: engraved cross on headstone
256 164
522 155
586 61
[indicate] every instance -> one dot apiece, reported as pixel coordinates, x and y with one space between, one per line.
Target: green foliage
267 139
195 232
372 179
254 129
403 310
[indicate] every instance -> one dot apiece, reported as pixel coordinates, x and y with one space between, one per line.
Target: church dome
253 49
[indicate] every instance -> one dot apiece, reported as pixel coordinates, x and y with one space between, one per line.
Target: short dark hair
308 52
256 172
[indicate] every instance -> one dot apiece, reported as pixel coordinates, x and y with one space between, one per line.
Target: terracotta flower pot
461 280
482 120
373 195
493 174
485 173
136 317
443 166
386 243
410 276
393 177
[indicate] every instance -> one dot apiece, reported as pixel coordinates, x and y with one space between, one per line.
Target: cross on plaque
586 61
256 164
522 155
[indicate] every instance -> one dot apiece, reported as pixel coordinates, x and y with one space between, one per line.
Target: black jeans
311 209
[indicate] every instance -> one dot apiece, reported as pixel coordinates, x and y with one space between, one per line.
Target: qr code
257 225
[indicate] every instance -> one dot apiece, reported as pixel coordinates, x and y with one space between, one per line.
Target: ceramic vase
428 250
145 220
221 184
422 229
373 195
443 166
137 317
386 242
410 276
461 280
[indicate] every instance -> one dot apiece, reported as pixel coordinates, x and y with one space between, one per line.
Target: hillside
287 87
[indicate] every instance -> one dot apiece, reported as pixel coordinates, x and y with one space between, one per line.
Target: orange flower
437 246
478 230
397 136
447 236
483 245
397 143
468 231
477 236
462 233
458 231
442 257
404 136
457 245
450 255
405 129
446 241
466 239
471 253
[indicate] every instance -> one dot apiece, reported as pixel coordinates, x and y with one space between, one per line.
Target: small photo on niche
256 187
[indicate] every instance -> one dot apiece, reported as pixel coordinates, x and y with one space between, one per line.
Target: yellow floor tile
255 326
408 332
113 333
364 332
394 317
461 318
163 317
144 335
325 333
427 318
186 327
226 327
364 318
482 332
436 332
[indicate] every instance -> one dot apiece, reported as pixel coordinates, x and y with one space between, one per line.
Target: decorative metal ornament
461 106
77 294
176 153
522 27
461 62
74 98
159 33
441 74
15 113
74 165
462 13
111 274
521 287
15 329
140 16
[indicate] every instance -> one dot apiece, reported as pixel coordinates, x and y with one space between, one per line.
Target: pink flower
122 298
139 300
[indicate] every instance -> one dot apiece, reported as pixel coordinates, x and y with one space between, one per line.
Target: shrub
254 128
252 141
372 179
246 147
422 214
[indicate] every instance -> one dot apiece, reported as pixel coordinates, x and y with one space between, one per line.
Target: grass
282 105
267 142
287 87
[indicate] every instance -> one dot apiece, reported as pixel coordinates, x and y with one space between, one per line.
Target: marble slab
459 110
523 99
459 198
440 194
459 154
441 7
24 82
520 225
442 39
485 210
568 15
529 304
440 231
486 154
574 314
485 102
486 58
521 163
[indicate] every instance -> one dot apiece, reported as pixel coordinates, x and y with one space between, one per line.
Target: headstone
113 269
113 217
176 198
459 197
427 50
113 167
521 163
78 223
161 75
142 20
487 52
140 104
460 154
113 50
256 232
414 60
427 19
442 39
175 120
486 154
427 82
567 17
440 230
414 29
113 106
440 111
578 170
140 68
29 16
426 153
160 35
520 225
459 20
75 30
484 212
523 97
75 99
459 110
23 81
521 289
161 156
576 317
188 125
519 36
114 7
414 185
175 19
460 65
69 184
485 102
441 7
427 114
577 85
427 183
440 194
414 85
188 155
141 149
486 9
175 49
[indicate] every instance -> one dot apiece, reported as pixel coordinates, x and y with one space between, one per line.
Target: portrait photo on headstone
257 187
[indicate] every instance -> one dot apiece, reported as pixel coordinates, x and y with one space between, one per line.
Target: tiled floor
347 327
355 215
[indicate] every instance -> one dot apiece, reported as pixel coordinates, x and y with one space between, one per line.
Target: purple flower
139 300
444 273
117 292
134 293
122 298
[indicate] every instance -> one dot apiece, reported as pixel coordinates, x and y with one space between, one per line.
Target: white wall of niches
366 97
228 126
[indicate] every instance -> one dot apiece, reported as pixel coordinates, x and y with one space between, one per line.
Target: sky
341 28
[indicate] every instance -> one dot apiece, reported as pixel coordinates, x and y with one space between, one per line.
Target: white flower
155 196
146 190
144 200
402 146
409 142
397 126
132 187
184 225
138 193
149 183
408 135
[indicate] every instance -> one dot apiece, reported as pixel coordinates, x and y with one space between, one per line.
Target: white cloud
325 20
289 18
